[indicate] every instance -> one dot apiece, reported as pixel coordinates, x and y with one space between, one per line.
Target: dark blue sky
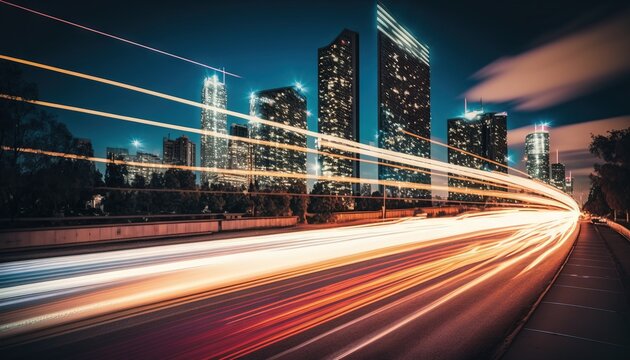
274 43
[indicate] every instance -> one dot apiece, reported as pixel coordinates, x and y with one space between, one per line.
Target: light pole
384 201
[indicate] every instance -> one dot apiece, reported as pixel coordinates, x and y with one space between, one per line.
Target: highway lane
447 287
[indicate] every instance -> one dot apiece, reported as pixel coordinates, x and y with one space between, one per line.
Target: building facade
404 100
180 151
568 184
483 134
537 153
558 175
285 106
338 107
239 157
115 153
139 170
213 152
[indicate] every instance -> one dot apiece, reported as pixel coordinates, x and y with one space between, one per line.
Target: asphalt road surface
418 288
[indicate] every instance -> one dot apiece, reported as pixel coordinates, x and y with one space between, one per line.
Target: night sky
274 43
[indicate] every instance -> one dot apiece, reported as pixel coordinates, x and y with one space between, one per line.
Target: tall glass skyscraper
214 152
338 106
404 99
287 106
482 134
537 152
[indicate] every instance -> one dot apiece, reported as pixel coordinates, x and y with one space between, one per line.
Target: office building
558 176
213 152
537 153
145 172
338 107
239 157
404 100
180 151
285 106
116 153
483 134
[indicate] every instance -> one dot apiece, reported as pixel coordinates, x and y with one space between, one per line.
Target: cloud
571 137
572 142
560 70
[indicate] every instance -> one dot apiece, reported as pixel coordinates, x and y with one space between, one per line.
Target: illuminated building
568 184
146 172
287 106
239 157
213 149
338 106
404 99
180 151
537 153
483 134
115 153
558 176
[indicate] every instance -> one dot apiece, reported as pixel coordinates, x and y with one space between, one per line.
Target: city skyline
452 80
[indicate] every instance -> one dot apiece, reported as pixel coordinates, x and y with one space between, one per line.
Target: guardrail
68 235
619 228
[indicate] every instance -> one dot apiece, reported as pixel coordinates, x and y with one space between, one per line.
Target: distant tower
180 151
214 152
240 156
537 152
558 173
286 106
569 184
404 99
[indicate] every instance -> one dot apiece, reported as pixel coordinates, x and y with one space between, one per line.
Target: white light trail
118 38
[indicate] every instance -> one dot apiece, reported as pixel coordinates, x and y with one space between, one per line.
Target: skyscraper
537 152
568 184
483 134
239 157
180 151
338 105
213 149
558 175
286 106
404 99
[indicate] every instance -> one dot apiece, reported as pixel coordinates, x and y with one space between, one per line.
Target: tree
299 204
612 178
596 203
323 207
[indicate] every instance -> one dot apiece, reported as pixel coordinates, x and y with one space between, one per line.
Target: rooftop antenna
465 105
557 156
223 75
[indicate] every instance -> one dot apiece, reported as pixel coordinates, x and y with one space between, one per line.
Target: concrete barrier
258 223
341 217
23 238
619 228
45 237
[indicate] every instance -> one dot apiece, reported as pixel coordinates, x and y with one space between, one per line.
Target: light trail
462 151
527 198
237 138
348 145
117 38
479 248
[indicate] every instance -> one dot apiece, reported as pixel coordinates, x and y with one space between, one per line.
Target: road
445 287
